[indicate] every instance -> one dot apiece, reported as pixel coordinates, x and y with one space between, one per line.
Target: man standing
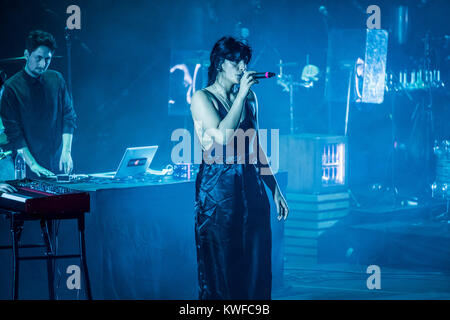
37 111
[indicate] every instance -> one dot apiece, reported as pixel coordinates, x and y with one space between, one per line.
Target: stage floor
408 244
348 282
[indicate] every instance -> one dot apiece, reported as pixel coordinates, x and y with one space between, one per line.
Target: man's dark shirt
35 113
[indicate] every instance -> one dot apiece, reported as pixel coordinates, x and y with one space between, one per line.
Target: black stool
17 220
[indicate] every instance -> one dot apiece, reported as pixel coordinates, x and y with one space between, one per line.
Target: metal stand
393 136
445 216
288 83
424 113
17 220
393 103
347 112
429 128
291 107
68 37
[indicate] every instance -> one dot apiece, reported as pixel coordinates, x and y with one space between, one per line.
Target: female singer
232 224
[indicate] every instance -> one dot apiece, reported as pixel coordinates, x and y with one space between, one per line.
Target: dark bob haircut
230 49
38 38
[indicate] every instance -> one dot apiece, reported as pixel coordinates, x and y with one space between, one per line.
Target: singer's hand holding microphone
249 78
263 75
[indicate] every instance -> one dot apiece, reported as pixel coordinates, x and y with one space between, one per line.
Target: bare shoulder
200 97
202 104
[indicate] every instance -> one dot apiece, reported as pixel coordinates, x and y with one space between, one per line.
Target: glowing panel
188 72
333 164
375 66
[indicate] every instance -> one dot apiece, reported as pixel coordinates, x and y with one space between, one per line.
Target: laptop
135 161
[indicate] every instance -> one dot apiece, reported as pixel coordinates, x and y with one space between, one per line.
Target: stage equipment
308 77
311 216
317 163
310 74
45 202
423 81
441 187
184 170
414 80
344 47
375 66
44 198
135 162
424 113
123 215
63 178
373 72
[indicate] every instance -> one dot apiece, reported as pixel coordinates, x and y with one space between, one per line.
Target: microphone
263 75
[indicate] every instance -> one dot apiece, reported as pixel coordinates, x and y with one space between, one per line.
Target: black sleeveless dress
232 224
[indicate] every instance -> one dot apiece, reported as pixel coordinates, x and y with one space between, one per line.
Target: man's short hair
38 38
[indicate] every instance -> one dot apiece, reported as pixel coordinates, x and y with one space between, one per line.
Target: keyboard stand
17 220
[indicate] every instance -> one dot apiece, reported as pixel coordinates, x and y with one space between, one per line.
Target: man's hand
65 162
34 166
281 204
6 188
38 170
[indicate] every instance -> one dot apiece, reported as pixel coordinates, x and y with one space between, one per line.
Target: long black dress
232 225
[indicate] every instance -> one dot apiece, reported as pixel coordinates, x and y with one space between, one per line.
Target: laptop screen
135 161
